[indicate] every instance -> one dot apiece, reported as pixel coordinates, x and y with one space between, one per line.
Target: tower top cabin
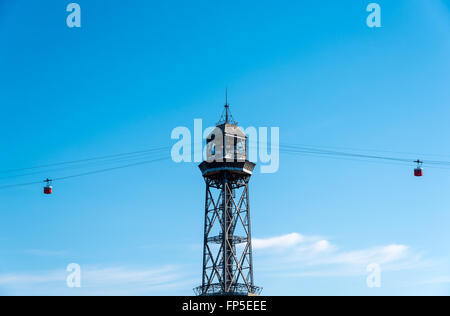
226 150
227 142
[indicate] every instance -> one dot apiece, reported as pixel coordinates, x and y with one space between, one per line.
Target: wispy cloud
46 253
288 240
18 279
443 279
295 254
96 280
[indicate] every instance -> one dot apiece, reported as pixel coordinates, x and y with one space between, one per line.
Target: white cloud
288 240
299 255
46 253
380 255
321 245
32 279
98 281
444 279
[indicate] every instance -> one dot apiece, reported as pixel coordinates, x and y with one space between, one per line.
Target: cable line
85 173
86 159
134 158
87 164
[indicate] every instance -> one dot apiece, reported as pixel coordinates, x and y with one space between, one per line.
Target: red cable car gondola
418 172
48 188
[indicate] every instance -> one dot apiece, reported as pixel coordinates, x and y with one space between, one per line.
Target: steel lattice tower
227 252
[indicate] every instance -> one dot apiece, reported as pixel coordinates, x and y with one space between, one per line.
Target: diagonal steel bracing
227 253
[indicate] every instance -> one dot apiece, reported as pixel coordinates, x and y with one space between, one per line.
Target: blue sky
136 70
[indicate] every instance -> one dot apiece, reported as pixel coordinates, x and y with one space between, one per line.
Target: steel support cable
285 148
428 162
297 149
344 154
87 159
312 151
89 164
20 184
88 173
324 149
347 156
318 150
404 163
327 149
314 155
364 150
110 169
